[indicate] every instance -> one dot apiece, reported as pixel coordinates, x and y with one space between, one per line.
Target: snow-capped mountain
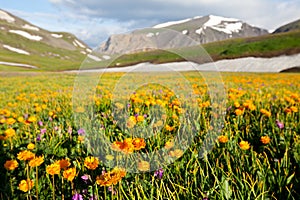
192 30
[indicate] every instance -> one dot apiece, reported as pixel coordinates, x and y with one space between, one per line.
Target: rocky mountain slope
23 42
293 26
174 34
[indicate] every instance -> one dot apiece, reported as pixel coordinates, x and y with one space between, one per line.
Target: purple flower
43 130
81 131
26 116
85 178
136 115
145 115
38 138
56 128
40 123
279 124
159 173
77 196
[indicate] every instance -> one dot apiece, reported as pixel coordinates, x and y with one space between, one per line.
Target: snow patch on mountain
27 35
20 51
185 32
78 44
29 27
56 35
7 17
222 24
171 23
95 58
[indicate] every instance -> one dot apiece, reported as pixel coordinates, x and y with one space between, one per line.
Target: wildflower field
48 151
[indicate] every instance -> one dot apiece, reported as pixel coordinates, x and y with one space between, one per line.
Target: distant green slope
263 46
51 51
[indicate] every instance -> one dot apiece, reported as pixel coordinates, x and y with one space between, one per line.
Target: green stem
53 188
37 184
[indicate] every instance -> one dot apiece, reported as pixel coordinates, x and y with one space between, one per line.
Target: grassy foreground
45 152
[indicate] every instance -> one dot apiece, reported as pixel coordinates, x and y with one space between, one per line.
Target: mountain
174 34
293 26
28 45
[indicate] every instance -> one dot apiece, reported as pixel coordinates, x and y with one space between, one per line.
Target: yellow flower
143 166
37 161
91 162
109 157
26 185
53 168
176 153
11 164
223 139
20 119
10 121
69 174
9 132
244 145
32 119
30 146
265 139
294 109
25 155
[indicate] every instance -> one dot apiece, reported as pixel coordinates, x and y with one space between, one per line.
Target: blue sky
94 20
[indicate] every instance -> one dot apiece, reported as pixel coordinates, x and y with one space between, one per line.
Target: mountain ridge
201 30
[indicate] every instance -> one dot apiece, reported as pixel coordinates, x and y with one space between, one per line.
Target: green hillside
264 46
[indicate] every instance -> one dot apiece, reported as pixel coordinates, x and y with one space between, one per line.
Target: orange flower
53 168
69 174
37 161
117 145
244 145
223 139
64 163
111 178
265 112
138 143
11 164
265 139
143 166
9 132
26 185
91 162
239 111
140 118
176 153
25 155
169 128
169 144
